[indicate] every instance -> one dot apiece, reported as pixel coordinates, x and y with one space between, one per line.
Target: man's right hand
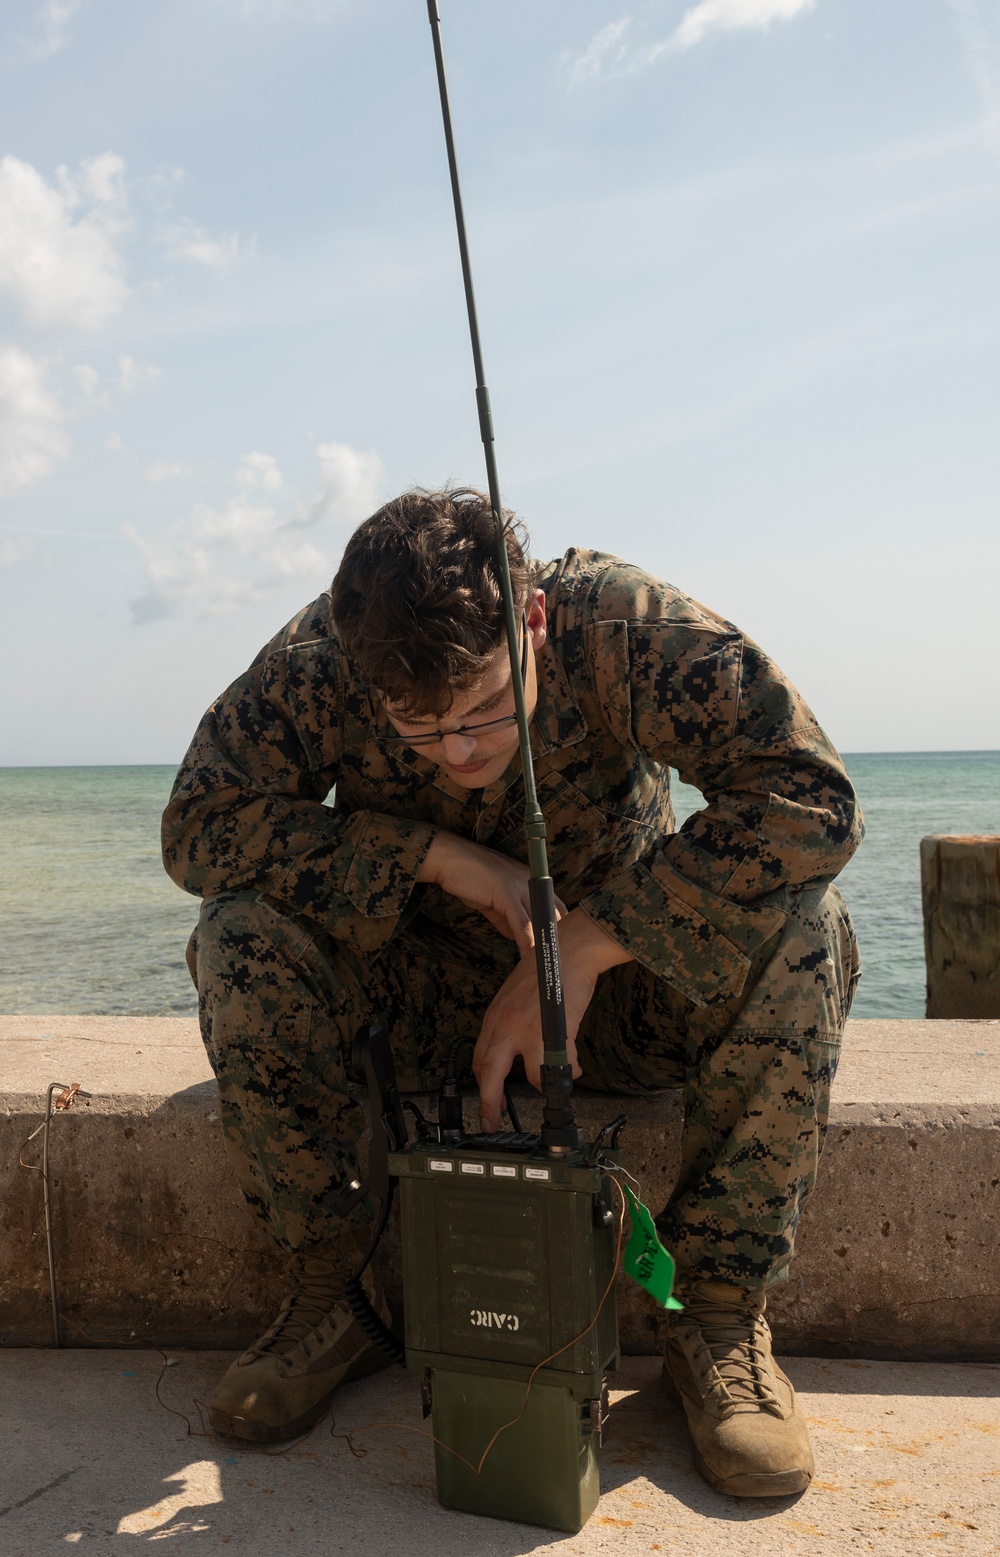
491 883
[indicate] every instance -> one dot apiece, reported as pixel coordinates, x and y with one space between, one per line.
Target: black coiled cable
372 1323
358 1301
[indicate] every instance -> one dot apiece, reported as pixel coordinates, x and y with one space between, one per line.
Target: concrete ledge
896 1255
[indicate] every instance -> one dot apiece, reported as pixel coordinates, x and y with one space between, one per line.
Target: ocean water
90 923
904 796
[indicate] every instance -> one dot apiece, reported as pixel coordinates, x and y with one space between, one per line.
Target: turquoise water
89 922
905 797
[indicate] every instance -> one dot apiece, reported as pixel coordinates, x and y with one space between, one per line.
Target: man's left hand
513 1024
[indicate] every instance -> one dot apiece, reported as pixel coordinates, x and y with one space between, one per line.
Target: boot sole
371 1360
776 1484
773 1484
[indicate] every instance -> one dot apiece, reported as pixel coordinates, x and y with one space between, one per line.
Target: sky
738 272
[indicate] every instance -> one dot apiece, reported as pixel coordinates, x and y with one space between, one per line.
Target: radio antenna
559 1132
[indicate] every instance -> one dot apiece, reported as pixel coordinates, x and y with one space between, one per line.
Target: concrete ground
908 1458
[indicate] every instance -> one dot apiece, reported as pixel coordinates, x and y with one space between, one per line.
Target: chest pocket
373 778
585 844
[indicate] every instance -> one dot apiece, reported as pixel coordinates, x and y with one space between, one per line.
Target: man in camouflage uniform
717 958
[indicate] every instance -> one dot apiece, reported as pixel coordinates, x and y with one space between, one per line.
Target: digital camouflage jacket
635 678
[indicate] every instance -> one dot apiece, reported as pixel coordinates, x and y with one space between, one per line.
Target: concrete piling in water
960 885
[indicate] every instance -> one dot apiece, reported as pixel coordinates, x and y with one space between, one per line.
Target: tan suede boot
750 1439
284 1382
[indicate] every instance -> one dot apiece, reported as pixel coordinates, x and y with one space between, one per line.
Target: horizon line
972 751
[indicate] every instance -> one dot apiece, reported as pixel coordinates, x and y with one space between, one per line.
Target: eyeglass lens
427 738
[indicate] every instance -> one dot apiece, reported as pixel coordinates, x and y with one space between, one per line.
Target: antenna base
559 1133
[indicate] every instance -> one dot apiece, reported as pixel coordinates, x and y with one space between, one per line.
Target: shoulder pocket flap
686 685
609 651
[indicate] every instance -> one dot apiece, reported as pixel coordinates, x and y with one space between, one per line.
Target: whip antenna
559 1130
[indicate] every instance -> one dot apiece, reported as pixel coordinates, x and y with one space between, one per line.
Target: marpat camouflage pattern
314 924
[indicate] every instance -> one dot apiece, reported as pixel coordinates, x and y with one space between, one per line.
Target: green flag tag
646 1260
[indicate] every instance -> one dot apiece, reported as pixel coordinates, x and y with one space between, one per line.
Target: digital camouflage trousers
281 1001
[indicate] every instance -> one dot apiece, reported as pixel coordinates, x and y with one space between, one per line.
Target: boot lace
735 1352
319 1287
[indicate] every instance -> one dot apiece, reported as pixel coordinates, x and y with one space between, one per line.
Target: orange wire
370 1426
478 1469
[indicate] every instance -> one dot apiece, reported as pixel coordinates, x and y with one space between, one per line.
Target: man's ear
534 610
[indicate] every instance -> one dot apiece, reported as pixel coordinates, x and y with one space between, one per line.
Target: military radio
511 1241
510 1251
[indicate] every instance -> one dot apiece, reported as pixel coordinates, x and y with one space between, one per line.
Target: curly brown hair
417 599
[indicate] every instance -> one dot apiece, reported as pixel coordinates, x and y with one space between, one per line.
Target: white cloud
220 558
32 436
163 470
608 55
291 10
58 256
101 179
729 15
351 479
53 19
602 56
16 550
116 443
89 380
260 470
978 23
186 241
134 375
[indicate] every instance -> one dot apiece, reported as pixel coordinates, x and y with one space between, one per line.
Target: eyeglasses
428 737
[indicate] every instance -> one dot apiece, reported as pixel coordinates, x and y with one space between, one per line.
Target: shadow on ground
96 1461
